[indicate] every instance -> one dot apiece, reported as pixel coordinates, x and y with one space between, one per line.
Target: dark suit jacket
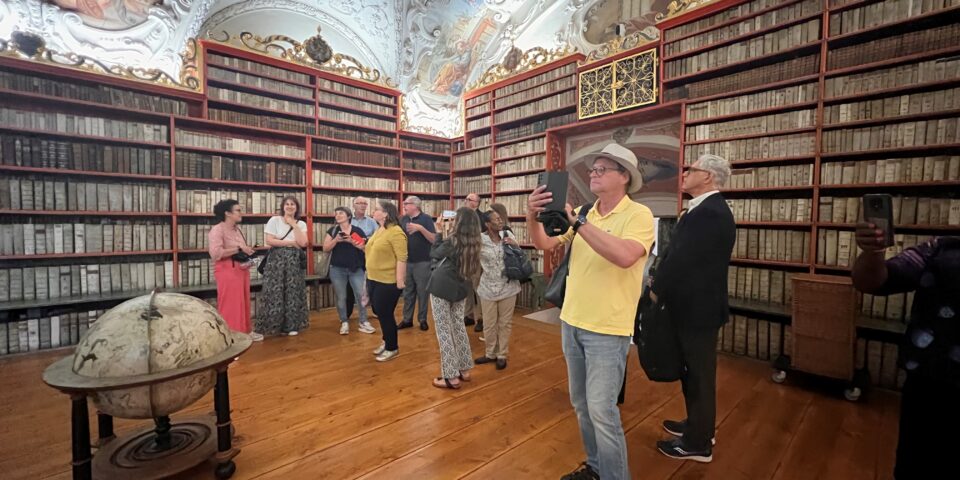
692 276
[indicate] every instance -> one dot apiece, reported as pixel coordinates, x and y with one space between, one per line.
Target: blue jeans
339 276
595 369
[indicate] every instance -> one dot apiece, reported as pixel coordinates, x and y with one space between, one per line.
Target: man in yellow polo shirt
610 248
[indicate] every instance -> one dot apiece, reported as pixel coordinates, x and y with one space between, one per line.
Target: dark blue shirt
418 247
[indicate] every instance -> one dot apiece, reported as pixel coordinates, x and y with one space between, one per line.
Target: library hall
475 239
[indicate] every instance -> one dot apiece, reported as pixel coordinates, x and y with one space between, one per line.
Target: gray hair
359 197
415 200
717 165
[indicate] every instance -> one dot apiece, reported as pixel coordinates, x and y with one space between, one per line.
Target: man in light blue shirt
368 225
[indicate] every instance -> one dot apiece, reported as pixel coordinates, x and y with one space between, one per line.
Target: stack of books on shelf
475 184
258 203
38 192
322 179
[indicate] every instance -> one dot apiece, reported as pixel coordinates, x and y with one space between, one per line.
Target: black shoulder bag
557 287
657 343
263 263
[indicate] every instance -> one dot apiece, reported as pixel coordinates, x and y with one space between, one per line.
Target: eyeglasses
599 171
695 169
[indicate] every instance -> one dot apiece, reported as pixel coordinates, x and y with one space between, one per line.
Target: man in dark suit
691 281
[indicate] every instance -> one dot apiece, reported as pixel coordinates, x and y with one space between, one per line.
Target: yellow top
602 297
384 249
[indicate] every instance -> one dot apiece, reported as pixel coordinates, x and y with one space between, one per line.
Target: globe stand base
138 455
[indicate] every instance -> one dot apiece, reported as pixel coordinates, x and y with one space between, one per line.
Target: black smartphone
878 210
556 182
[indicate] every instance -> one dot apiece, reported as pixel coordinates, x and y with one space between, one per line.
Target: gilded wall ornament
622 44
680 7
618 85
530 59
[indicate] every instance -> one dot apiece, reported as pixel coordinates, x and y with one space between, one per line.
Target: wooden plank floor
318 406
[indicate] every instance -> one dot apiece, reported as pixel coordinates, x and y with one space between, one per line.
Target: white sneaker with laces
344 328
365 327
380 349
256 337
388 355
292 333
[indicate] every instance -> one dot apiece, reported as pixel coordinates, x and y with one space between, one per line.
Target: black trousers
383 299
929 422
698 347
350 300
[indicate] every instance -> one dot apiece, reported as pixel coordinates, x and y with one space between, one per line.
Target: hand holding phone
878 212
556 183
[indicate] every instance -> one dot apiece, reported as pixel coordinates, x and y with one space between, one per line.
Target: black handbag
266 256
445 281
557 287
657 343
516 264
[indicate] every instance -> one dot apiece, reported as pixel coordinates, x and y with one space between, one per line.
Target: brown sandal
446 384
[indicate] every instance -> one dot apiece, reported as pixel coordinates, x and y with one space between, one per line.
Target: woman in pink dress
233 278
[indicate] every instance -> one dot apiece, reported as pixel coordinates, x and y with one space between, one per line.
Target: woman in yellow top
386 270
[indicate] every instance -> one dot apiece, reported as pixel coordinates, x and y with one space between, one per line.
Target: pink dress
233 281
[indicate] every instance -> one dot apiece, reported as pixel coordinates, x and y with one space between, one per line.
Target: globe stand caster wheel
852 394
779 376
225 470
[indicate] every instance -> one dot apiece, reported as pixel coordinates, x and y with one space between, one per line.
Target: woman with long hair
386 270
233 277
462 248
498 294
284 309
345 244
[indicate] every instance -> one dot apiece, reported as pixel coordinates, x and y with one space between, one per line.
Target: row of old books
478 123
766 177
203 201
86 125
473 184
425 145
768 124
324 203
426 186
259 120
305 108
761 75
771 209
262 83
65 238
426 164
483 140
892 170
535 127
522 164
897 307
39 152
320 231
554 102
722 16
30 333
327 113
218 167
772 18
519 229
516 204
772 245
778 97
531 295
479 99
563 83
322 179
107 95
942 131
760 285
910 43
839 247
907 210
909 104
363 93
777 41
474 159
334 153
35 192
320 296
884 12
910 74
521 148
76 280
194 236
763 148
360 136
258 68
565 70
214 141
477 110
199 271
525 182
351 102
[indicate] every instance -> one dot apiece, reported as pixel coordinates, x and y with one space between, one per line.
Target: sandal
464 378
445 384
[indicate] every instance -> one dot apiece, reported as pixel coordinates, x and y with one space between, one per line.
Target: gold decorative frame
512 65
680 7
286 48
621 44
31 47
620 85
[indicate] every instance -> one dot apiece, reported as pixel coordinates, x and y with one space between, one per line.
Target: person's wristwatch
581 220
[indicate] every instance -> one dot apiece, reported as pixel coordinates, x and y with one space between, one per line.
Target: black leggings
383 299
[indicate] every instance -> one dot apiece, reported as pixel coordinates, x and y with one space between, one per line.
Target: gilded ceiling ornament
621 44
680 7
314 52
32 47
530 59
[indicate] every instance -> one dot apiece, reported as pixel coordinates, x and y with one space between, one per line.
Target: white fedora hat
623 156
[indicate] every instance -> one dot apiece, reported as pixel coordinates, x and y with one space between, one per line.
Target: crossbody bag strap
584 210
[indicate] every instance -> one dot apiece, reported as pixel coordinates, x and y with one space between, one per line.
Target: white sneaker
344 328
380 349
292 333
256 337
365 327
483 339
387 355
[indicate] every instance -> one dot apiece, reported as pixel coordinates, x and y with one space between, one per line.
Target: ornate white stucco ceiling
432 48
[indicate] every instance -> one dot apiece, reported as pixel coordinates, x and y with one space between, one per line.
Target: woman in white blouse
498 294
284 310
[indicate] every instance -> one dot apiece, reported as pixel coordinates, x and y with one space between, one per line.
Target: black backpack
516 264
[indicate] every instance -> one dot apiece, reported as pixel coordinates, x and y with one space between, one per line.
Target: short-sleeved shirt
418 247
384 249
278 228
602 297
367 224
931 346
344 254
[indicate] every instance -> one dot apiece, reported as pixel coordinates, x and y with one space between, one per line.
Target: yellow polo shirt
384 249
602 297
